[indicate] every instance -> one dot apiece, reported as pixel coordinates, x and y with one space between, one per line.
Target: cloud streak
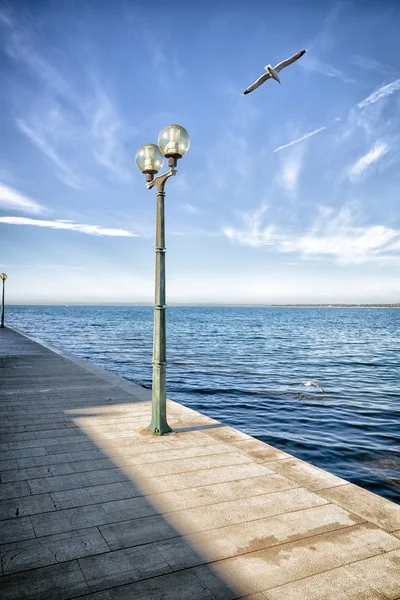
69 225
380 94
67 175
363 163
66 118
300 139
318 66
11 199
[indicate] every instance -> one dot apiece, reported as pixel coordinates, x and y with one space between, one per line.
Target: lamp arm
159 181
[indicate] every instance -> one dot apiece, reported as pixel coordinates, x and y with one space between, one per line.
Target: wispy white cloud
66 174
106 129
318 66
300 139
371 157
334 235
291 167
11 199
370 64
380 93
69 225
254 232
193 210
67 115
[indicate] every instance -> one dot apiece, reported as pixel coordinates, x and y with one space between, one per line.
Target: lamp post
173 143
3 276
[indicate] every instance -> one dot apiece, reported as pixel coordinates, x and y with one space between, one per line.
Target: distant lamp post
173 143
3 276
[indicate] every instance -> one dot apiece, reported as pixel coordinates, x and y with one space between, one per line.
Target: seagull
313 383
272 72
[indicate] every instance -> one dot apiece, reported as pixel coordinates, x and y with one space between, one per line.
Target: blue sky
288 194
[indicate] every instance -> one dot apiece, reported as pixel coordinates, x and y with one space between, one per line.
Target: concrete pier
93 506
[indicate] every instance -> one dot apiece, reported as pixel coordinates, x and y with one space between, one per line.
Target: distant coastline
211 305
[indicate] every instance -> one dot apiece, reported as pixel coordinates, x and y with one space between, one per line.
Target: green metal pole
2 307
159 424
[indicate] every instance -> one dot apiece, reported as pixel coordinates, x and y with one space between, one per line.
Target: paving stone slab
305 474
13 530
25 505
58 582
91 494
14 489
174 586
123 566
40 552
336 584
251 536
371 507
261 571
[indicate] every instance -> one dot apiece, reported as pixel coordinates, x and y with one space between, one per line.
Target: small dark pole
3 276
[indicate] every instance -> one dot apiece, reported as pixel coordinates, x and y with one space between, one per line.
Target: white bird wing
289 61
257 83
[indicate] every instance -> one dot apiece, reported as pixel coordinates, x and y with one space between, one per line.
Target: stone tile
31 444
53 549
53 459
7 465
221 492
59 469
137 532
22 453
336 584
305 474
173 586
70 447
94 494
227 434
371 507
14 489
56 433
98 596
206 477
17 437
69 520
165 455
266 569
197 519
26 505
101 476
381 572
129 508
57 483
123 566
190 464
14 530
225 542
259 451
58 582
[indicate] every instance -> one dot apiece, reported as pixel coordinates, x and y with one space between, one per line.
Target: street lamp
173 143
3 276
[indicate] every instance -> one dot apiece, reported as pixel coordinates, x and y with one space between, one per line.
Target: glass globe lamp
149 159
3 276
173 141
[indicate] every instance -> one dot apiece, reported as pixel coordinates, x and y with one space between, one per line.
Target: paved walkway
93 506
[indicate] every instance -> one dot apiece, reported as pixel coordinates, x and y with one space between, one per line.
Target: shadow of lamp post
173 143
3 276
